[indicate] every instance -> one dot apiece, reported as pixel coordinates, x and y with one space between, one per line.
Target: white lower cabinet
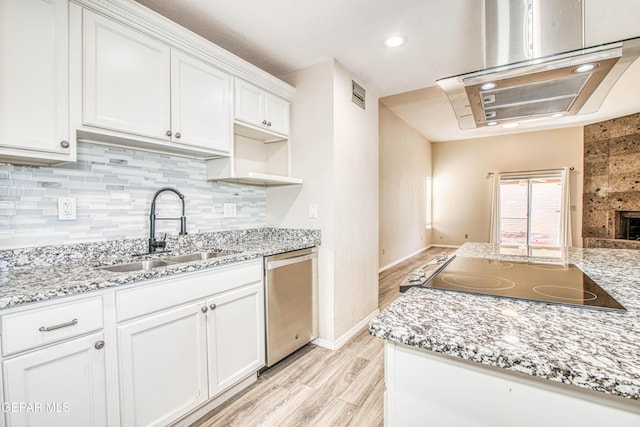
235 332
163 366
60 385
143 355
176 358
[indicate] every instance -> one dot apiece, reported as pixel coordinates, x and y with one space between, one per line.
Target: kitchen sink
198 256
137 266
148 265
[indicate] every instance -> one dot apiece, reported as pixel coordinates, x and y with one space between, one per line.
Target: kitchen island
453 358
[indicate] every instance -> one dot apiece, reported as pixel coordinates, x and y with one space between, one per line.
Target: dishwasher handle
288 261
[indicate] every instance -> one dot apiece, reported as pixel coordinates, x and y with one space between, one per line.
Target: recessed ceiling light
584 68
488 86
492 123
510 125
395 41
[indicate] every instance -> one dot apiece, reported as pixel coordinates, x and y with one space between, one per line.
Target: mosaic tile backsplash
113 188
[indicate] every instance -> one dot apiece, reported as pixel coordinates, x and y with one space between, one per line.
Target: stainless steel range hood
536 75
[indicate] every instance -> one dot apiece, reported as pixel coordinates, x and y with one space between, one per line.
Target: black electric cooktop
549 283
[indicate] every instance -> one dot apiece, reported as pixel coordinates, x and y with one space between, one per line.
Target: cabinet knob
64 144
268 123
264 122
178 135
99 345
212 306
168 133
204 309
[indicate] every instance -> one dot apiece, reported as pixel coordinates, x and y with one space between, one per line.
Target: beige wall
335 151
462 191
405 164
356 204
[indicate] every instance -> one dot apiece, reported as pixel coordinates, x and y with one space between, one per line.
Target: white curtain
565 210
494 233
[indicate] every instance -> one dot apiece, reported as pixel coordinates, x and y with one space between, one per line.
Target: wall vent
358 94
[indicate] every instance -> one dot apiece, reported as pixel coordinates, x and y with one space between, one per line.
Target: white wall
311 137
462 191
405 164
335 151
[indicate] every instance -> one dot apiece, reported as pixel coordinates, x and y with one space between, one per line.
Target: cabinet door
65 385
200 103
236 336
249 103
277 114
163 366
34 74
126 80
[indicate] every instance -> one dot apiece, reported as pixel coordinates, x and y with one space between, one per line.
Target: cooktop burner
478 282
550 283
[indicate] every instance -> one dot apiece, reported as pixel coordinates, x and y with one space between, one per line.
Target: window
531 213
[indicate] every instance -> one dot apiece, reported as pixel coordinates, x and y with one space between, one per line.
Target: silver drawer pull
54 327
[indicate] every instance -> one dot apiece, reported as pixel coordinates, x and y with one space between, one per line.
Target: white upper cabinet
127 79
112 71
276 111
34 88
249 103
137 85
200 95
259 108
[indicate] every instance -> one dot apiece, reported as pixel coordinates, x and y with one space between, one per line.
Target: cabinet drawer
165 293
33 328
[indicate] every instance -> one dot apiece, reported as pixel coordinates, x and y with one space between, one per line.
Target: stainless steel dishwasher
291 302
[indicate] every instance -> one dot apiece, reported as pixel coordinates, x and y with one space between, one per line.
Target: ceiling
444 38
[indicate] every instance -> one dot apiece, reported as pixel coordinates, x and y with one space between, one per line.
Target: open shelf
254 161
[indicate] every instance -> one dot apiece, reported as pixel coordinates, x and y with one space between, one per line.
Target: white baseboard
444 246
334 345
396 262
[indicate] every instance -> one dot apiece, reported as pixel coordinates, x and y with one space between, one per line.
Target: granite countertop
38 274
593 349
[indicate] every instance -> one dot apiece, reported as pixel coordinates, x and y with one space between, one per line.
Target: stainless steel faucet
153 243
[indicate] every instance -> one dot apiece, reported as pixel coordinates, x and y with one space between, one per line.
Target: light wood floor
319 387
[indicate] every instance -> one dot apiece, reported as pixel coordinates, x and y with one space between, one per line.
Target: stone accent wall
611 176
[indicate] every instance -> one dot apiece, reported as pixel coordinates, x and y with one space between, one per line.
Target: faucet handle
162 244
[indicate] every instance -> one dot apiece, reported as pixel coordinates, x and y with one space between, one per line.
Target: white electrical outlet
229 210
66 208
313 210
